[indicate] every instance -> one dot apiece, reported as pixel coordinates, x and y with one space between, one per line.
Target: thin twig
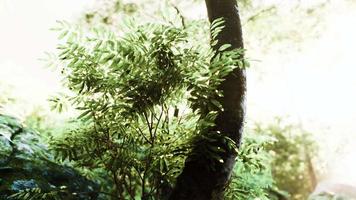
180 15
148 124
158 122
143 135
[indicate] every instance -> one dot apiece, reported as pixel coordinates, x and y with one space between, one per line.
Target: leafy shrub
145 96
291 156
252 177
274 162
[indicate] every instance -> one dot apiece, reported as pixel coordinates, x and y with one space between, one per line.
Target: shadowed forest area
177 100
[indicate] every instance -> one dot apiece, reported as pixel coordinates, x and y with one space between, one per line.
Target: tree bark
197 181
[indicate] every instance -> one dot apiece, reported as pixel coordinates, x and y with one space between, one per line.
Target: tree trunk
197 181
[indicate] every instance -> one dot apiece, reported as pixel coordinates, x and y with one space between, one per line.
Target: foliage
273 163
252 177
35 193
292 30
144 95
5 95
28 170
106 11
291 156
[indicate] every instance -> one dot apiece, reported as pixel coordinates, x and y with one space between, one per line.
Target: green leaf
224 47
63 34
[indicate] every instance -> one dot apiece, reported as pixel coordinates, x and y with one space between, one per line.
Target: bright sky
24 37
315 86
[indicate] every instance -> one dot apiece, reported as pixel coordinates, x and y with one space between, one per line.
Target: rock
332 190
27 167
